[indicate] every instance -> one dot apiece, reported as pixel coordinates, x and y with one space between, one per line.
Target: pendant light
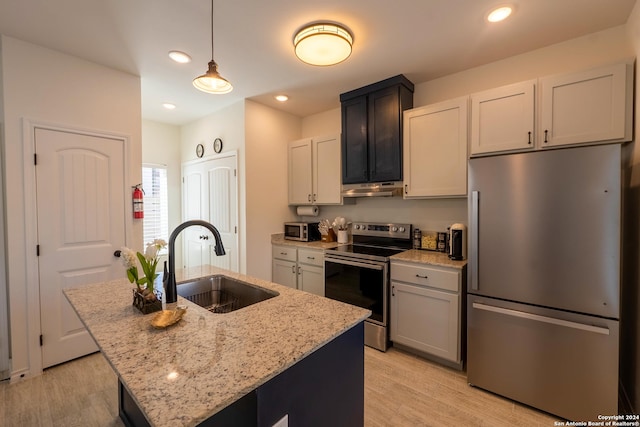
212 81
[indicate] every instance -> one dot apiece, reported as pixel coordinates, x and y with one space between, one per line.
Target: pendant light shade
323 44
212 81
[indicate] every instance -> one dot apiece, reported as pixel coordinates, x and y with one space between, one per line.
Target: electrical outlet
283 422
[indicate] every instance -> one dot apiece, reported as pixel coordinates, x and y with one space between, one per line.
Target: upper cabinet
593 106
590 106
435 150
502 119
314 171
372 131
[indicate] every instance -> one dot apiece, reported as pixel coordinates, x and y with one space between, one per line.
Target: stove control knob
357 226
402 229
394 228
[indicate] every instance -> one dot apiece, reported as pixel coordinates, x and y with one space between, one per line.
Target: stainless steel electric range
358 273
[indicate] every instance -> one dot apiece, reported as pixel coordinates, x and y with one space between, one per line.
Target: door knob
117 253
204 237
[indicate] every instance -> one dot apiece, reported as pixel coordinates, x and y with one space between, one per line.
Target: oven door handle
355 263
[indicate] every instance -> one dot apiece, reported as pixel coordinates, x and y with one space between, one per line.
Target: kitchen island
296 354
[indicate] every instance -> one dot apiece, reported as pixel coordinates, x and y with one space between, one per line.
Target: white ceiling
422 39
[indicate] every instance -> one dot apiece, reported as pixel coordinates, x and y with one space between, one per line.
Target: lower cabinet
426 310
298 268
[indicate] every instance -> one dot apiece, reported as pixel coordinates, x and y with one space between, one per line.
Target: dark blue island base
325 388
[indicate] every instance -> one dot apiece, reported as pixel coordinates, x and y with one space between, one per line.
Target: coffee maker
458 242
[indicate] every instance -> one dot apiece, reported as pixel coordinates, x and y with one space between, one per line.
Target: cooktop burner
375 241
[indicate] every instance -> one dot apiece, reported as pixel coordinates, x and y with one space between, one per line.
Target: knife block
329 237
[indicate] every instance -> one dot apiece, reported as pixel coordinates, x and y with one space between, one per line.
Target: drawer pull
311 257
283 253
422 277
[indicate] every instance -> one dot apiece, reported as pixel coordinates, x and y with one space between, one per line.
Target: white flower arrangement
148 262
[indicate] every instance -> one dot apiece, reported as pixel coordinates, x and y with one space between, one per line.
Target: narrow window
156 205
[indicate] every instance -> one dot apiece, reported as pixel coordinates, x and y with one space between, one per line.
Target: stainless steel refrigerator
543 303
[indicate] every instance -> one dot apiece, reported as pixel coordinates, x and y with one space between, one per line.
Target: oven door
362 283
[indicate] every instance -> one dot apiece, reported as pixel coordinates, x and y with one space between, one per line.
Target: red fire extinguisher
138 203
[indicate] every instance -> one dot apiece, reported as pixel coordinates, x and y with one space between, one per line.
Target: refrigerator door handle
473 256
538 318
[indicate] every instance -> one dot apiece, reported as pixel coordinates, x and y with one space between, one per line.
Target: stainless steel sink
222 294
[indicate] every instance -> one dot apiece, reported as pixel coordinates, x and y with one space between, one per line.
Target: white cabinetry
314 171
502 119
311 271
284 266
586 107
435 150
590 106
298 268
426 310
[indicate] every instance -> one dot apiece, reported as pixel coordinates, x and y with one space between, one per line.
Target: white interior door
211 193
194 207
81 223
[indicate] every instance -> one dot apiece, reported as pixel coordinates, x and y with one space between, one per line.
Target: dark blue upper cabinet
372 131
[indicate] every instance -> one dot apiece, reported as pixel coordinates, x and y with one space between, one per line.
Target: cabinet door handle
309 197
315 197
422 277
529 137
546 132
393 291
299 270
293 269
406 189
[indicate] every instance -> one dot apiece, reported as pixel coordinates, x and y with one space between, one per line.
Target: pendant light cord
212 30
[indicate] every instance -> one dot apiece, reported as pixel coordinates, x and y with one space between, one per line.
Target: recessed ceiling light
169 106
282 98
499 14
180 57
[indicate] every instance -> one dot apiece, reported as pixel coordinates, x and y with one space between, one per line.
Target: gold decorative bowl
167 318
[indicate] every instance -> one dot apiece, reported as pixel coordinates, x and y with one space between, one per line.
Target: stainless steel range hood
375 189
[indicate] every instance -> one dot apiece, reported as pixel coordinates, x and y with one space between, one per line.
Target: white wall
45 85
268 132
325 123
577 54
161 146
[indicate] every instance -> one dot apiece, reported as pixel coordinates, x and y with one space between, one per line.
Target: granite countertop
188 372
278 239
428 257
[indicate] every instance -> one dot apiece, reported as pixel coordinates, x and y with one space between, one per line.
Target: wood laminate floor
400 390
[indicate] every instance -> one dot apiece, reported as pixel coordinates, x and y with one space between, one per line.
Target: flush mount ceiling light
281 98
499 14
212 81
169 106
323 43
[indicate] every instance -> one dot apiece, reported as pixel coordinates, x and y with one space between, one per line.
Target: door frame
231 153
32 285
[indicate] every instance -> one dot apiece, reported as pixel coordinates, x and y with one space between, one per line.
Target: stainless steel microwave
302 231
